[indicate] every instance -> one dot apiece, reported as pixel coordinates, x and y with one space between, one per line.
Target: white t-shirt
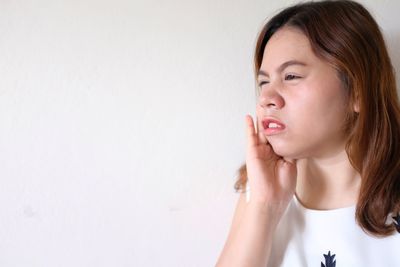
329 238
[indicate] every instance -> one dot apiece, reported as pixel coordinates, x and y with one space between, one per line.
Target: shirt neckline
308 210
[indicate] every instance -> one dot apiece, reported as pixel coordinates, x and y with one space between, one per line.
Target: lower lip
273 131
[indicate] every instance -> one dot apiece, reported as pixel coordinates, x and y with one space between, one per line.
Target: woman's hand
271 178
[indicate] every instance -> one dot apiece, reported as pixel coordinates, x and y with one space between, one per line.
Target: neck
328 183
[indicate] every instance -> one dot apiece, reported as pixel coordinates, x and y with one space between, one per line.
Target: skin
307 158
309 99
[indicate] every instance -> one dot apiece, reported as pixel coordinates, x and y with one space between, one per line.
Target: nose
271 99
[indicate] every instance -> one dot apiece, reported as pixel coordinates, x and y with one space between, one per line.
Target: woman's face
302 104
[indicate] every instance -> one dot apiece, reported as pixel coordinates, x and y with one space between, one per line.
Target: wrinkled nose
271 99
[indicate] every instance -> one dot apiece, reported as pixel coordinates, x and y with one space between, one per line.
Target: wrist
268 212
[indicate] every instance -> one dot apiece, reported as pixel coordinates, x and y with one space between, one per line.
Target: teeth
273 125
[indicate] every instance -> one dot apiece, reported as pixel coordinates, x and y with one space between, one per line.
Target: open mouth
272 126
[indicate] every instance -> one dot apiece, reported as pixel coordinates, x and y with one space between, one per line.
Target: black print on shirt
397 222
329 260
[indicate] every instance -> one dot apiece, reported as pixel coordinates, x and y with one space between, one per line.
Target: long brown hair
344 34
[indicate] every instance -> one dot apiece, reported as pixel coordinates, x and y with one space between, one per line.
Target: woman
322 169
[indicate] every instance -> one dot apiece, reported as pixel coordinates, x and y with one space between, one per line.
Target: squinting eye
291 77
263 83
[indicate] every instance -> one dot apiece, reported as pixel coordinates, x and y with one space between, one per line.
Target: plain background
122 126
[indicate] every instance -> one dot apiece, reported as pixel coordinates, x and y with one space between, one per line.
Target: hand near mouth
271 178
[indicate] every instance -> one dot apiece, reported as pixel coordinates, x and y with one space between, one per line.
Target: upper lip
266 121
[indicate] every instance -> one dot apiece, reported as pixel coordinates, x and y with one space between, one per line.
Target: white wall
122 126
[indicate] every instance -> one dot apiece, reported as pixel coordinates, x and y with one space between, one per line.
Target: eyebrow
283 66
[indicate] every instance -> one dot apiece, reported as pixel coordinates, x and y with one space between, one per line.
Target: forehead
287 44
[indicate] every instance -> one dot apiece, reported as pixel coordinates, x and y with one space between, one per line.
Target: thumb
288 171
291 161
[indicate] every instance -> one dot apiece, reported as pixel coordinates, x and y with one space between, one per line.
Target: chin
285 151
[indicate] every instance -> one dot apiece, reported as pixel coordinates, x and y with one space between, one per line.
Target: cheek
260 113
316 114
320 99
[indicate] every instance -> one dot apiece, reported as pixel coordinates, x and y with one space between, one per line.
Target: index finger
260 133
252 139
